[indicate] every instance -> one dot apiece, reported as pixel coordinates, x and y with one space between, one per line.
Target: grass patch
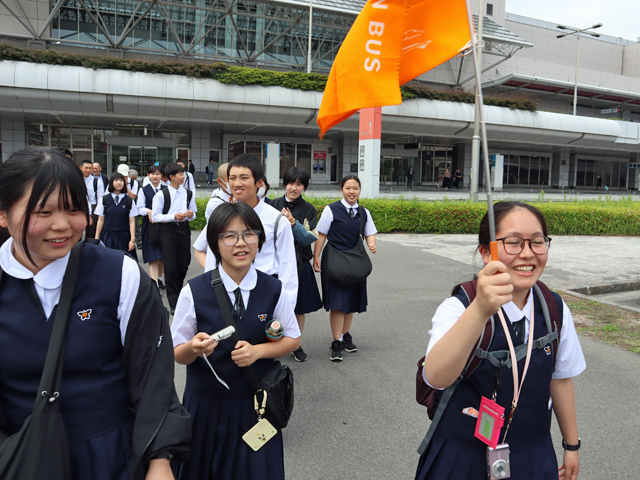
606 323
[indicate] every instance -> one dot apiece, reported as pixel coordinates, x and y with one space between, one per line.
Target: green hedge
415 216
231 74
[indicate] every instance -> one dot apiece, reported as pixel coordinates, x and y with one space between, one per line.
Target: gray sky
620 18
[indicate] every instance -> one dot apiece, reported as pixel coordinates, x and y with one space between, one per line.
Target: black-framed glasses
231 238
514 245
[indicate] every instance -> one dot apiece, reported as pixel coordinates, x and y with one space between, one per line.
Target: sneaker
299 355
347 343
336 351
161 285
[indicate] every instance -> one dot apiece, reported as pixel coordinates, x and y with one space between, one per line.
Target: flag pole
483 129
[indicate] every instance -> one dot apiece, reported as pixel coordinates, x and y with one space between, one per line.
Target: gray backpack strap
275 231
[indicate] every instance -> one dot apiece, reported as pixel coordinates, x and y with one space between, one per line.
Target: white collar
347 206
119 195
258 207
248 282
514 313
180 187
49 277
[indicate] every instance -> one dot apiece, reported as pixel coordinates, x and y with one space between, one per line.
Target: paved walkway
358 419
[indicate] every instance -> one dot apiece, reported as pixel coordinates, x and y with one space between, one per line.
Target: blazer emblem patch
85 314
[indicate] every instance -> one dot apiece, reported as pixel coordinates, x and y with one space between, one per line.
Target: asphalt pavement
358 419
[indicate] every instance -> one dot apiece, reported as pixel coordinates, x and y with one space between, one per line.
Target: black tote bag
347 267
41 449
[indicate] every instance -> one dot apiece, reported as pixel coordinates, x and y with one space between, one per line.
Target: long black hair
43 170
221 217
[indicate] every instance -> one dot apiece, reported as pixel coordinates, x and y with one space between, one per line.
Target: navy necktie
238 307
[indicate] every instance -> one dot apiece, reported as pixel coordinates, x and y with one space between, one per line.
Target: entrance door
141 158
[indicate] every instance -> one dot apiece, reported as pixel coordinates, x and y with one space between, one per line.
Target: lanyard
517 386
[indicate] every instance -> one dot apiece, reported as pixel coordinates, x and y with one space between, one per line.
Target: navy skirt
351 299
446 460
118 241
150 253
308 293
218 451
105 457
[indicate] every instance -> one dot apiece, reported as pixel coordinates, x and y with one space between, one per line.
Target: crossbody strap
363 214
225 309
49 390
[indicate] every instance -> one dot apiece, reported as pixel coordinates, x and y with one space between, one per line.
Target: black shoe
336 351
299 355
161 285
347 343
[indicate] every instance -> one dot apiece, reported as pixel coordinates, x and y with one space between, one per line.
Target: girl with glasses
222 414
505 285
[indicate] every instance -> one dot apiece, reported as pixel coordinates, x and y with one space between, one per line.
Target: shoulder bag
40 449
347 267
277 384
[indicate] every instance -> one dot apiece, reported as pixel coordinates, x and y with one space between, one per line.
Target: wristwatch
571 448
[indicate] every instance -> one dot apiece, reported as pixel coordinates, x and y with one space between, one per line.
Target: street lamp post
309 43
577 31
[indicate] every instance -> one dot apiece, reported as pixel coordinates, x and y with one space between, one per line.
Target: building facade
112 116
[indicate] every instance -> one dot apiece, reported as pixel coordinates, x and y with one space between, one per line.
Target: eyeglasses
231 238
514 245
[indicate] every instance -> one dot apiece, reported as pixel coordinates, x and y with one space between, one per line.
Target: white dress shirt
185 323
178 205
91 193
48 282
189 183
141 203
280 261
134 186
218 197
100 207
570 360
324 224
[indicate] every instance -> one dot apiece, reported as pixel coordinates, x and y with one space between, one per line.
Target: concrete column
560 162
369 151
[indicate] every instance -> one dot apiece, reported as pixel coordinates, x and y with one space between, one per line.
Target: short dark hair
221 217
350 177
116 176
294 174
84 162
154 169
501 210
172 169
250 162
45 169
68 153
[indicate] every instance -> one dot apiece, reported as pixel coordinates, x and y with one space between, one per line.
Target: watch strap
571 448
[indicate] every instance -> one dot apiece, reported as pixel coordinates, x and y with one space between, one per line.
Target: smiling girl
114 421
221 415
340 226
507 285
116 218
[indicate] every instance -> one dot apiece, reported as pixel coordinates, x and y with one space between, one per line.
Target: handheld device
223 334
498 466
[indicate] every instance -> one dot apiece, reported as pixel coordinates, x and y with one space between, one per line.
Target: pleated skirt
308 293
218 451
446 460
352 299
150 253
118 241
105 457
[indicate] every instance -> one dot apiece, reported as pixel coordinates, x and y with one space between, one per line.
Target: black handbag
41 449
277 384
347 267
155 233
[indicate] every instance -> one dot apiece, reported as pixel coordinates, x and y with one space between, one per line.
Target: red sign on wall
319 155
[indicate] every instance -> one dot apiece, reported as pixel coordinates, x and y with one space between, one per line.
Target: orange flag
390 43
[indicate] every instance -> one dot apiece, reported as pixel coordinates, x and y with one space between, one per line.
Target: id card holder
260 434
490 421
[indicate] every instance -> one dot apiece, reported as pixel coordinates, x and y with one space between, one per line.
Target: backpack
436 400
167 199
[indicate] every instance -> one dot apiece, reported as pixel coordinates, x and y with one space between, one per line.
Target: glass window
523 175
234 148
287 157
255 149
303 153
